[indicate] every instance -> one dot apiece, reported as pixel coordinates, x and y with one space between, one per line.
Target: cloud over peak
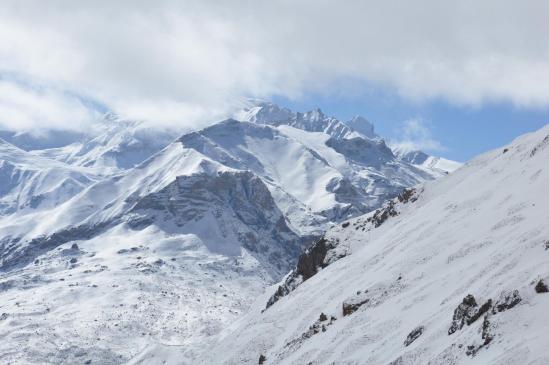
175 61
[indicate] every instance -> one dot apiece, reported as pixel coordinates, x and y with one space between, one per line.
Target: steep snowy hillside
452 272
29 183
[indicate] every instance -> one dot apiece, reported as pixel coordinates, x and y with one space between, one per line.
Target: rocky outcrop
507 300
308 264
463 313
480 312
468 312
541 287
351 305
414 335
320 325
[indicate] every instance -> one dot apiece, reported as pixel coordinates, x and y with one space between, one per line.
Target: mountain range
118 244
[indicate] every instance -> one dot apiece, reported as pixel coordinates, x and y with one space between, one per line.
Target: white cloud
28 107
416 135
139 56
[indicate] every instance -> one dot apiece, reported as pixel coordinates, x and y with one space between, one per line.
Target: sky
437 127
454 78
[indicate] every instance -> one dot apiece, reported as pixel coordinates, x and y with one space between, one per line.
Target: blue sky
462 130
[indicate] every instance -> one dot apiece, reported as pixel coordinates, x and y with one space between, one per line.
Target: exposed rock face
541 287
351 305
323 252
468 312
507 300
312 260
308 264
241 206
369 152
320 325
463 313
389 209
480 312
414 335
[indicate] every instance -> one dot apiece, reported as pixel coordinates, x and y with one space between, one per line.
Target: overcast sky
190 61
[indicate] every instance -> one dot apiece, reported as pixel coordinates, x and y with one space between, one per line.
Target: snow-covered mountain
32 183
114 145
422 160
454 271
162 244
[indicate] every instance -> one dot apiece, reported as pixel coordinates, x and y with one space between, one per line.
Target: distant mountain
423 160
115 145
32 183
41 139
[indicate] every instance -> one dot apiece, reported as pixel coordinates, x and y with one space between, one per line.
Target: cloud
29 107
184 62
416 135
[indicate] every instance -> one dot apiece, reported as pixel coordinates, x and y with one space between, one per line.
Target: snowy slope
398 290
167 253
29 183
422 160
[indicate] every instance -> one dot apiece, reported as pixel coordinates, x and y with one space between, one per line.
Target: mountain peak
362 125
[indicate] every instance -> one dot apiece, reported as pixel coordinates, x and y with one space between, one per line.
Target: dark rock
345 225
541 287
505 150
414 335
88 362
464 312
323 317
487 337
351 306
388 210
73 260
311 260
407 195
481 311
315 328
3 316
507 301
74 247
308 264
262 359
